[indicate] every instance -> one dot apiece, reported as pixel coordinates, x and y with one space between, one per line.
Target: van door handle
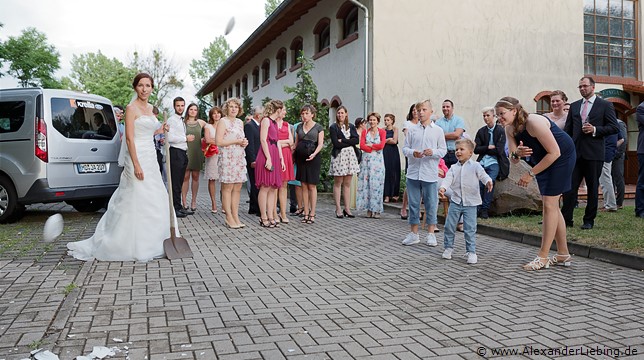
94 149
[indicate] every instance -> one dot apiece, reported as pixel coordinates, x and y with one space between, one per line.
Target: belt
273 142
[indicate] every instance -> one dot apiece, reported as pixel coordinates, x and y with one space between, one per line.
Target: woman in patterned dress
195 156
371 180
232 161
212 163
344 162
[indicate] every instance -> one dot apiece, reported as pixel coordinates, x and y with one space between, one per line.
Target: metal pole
366 56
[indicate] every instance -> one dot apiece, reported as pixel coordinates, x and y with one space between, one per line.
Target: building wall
474 52
337 74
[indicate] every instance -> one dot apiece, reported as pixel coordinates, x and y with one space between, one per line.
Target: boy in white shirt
461 185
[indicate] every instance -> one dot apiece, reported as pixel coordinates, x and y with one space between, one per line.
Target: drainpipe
366 55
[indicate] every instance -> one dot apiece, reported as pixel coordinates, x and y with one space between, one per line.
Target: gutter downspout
366 55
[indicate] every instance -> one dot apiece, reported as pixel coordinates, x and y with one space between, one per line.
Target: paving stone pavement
336 289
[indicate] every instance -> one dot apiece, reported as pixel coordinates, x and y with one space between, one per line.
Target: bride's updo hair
521 117
140 76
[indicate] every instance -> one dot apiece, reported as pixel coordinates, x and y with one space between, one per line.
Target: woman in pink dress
268 178
284 143
231 142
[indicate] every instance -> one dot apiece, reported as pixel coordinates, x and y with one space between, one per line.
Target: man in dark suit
490 145
589 120
251 131
639 190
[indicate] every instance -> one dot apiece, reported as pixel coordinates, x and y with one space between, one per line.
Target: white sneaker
431 239
447 254
471 258
411 239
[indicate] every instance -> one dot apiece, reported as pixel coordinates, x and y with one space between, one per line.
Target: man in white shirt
424 147
177 140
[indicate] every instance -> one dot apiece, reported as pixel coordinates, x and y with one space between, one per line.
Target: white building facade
471 52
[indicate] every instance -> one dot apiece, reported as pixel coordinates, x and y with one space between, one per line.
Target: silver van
56 145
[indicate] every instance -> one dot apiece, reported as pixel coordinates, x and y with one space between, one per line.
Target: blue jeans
487 197
469 226
639 189
429 192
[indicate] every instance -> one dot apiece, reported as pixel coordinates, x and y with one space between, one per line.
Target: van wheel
10 210
87 205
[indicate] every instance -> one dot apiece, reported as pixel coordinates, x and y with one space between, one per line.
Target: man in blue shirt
453 126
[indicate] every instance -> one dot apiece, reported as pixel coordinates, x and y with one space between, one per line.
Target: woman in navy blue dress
552 155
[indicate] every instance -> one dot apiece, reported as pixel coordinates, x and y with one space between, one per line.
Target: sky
119 27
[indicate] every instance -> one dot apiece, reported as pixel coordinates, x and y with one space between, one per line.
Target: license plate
91 168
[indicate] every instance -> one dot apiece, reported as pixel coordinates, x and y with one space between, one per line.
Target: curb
591 252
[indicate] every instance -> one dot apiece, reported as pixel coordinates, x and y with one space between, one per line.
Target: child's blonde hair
467 142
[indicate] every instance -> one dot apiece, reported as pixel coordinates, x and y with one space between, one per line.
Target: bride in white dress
137 219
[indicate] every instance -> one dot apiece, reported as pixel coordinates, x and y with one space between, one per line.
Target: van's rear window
83 119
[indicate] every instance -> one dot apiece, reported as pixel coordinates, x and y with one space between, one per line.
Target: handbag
208 149
358 154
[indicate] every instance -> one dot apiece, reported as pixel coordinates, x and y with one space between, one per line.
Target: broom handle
166 147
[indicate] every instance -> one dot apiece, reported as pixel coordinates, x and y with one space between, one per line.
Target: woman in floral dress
232 160
344 162
371 179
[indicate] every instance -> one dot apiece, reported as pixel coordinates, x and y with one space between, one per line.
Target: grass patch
619 230
36 344
69 288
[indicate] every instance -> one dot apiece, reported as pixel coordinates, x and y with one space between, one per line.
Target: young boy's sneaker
471 258
411 239
431 239
447 254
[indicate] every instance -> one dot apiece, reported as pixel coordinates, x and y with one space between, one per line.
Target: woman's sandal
565 262
311 219
305 219
537 264
265 223
299 212
274 223
283 220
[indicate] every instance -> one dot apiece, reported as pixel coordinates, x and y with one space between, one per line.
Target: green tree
247 103
270 6
97 74
32 60
305 92
212 57
164 71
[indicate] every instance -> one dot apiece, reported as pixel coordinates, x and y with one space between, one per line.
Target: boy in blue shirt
461 185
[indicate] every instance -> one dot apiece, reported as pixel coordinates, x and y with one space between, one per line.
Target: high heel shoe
274 223
346 214
299 212
311 219
565 262
305 219
231 226
537 264
339 216
283 220
265 223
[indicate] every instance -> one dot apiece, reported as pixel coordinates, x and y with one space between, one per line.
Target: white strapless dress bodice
138 217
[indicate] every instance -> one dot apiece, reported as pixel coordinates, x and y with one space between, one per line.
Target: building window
245 85
296 50
281 61
230 91
348 19
266 71
255 78
610 33
322 33
543 105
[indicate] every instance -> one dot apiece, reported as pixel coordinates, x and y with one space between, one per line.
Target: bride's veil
124 151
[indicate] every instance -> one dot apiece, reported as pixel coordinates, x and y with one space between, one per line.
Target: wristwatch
514 155
531 173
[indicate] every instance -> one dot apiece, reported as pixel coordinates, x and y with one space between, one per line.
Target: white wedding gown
138 217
